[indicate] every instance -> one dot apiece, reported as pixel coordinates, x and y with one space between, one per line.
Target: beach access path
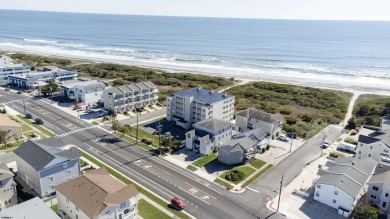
350 107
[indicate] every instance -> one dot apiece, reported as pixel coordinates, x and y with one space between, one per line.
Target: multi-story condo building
46 163
90 92
7 67
378 191
252 118
7 188
97 195
34 80
341 184
197 104
130 97
375 145
208 135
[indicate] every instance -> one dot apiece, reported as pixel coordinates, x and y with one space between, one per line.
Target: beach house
375 145
341 183
208 134
196 104
13 129
7 67
130 97
32 209
46 163
97 195
252 118
7 188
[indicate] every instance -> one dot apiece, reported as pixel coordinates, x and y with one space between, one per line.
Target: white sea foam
41 41
302 74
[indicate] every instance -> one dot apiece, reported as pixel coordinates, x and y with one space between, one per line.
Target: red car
176 203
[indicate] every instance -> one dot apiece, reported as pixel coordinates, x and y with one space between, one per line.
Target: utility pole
51 92
292 139
280 193
159 136
137 128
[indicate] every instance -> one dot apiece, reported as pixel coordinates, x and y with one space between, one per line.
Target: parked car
28 116
177 204
139 110
39 121
292 135
326 144
100 114
284 138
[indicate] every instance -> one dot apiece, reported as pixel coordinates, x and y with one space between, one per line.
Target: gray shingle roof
256 134
203 95
32 209
239 144
213 124
383 178
90 85
259 115
131 87
349 174
40 153
5 173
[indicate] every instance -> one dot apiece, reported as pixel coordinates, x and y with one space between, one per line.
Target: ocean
350 55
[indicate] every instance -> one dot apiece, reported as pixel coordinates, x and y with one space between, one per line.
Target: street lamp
280 193
24 107
51 92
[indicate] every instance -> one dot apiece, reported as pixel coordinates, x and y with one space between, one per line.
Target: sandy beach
329 83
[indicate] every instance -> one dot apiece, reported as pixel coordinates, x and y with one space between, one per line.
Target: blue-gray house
46 163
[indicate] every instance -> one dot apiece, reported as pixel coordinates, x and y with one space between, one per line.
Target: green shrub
291 120
287 110
351 141
263 150
147 141
336 154
267 147
235 175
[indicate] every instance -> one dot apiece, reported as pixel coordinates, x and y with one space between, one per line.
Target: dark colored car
39 121
292 135
28 116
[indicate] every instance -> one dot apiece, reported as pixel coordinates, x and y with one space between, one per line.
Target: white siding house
340 184
375 146
378 192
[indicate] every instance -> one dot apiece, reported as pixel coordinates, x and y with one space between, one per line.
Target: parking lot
166 126
279 150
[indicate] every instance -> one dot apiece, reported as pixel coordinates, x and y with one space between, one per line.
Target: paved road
204 199
292 165
145 117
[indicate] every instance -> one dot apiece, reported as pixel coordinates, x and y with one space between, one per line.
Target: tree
3 137
50 88
125 129
352 123
116 126
166 142
365 211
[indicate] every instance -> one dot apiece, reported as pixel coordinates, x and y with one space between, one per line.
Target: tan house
7 188
13 128
97 195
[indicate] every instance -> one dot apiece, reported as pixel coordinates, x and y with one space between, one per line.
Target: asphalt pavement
204 199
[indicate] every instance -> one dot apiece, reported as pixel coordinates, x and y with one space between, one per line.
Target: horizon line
182 16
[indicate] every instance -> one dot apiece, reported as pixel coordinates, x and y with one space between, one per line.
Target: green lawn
54 207
205 160
148 211
245 169
143 134
257 163
220 181
131 140
140 189
41 128
192 168
257 175
26 128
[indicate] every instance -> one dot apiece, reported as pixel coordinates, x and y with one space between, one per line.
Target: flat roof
203 95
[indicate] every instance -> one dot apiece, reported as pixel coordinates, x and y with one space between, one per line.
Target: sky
272 9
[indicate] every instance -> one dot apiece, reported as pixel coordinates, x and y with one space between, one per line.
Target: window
108 212
319 186
123 204
373 196
387 195
318 194
67 200
68 172
384 205
1 182
77 209
51 187
334 201
369 155
361 144
375 188
336 192
360 152
51 179
386 151
370 147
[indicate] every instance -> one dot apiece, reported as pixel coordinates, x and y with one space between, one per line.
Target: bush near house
351 141
336 154
369 109
234 175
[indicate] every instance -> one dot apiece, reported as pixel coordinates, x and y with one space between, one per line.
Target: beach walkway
350 107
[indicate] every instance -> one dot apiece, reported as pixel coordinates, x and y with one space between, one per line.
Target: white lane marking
252 189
